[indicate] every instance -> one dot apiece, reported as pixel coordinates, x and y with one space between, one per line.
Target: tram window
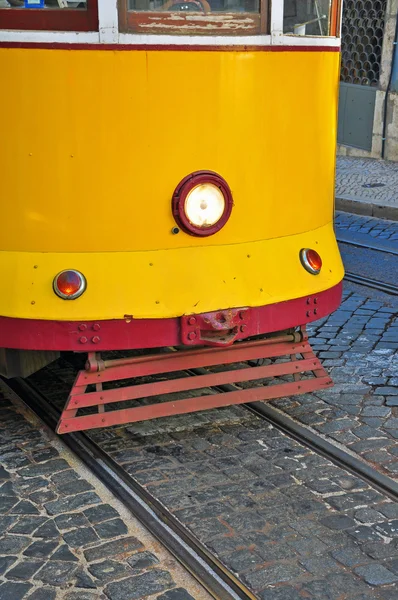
203 6
42 4
207 17
309 17
49 15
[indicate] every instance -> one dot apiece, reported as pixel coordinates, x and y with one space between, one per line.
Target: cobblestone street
59 535
358 344
289 522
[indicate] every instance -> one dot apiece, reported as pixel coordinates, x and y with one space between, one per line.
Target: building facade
368 106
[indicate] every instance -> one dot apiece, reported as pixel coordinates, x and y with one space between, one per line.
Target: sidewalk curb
358 206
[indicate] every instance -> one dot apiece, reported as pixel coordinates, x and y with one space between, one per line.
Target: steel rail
317 443
361 243
187 549
381 286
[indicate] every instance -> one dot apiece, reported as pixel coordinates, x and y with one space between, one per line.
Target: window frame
159 22
336 7
51 19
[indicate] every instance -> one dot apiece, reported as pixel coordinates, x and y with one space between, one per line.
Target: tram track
207 569
381 286
263 410
177 539
316 443
360 241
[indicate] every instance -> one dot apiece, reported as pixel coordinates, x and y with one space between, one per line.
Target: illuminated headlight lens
69 284
311 261
202 203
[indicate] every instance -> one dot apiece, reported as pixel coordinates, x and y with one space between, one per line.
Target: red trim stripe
168 47
121 334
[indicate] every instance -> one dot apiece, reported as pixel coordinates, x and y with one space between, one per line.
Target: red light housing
311 261
203 192
69 284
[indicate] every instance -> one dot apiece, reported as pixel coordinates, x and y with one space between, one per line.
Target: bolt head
96 339
191 335
82 327
83 339
191 321
96 327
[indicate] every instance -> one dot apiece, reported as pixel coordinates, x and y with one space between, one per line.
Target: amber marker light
311 261
202 203
69 284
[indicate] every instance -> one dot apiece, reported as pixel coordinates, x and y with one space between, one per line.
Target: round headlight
69 284
202 203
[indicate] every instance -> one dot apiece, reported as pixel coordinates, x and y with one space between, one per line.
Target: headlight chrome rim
185 187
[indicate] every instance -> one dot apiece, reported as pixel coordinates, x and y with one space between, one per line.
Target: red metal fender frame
130 333
288 356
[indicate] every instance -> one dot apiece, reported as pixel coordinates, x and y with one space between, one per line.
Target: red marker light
311 260
69 284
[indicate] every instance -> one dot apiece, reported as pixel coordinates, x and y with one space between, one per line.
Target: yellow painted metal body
94 143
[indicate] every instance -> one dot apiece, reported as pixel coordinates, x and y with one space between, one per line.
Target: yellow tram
167 181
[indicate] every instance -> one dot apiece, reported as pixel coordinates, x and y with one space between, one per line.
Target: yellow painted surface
93 144
168 283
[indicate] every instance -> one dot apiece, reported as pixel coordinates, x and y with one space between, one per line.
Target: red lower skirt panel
120 334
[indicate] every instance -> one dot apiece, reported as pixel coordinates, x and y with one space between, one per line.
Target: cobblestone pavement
377 229
60 539
359 346
289 523
368 180
286 521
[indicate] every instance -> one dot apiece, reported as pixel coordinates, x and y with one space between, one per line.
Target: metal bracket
219 328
